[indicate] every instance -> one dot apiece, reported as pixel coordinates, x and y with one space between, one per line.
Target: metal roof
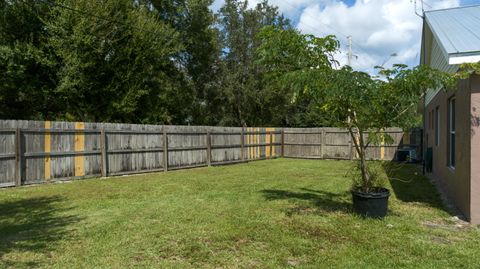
457 30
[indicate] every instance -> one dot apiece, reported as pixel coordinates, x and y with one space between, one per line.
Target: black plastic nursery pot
371 204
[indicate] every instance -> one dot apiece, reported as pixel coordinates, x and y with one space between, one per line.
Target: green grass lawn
268 214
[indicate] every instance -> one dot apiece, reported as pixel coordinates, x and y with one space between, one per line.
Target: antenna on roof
416 13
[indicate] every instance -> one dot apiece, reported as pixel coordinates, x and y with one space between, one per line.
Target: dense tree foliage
164 61
119 69
147 61
27 75
292 63
242 80
362 104
199 60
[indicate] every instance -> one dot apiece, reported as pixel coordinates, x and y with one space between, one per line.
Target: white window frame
451 132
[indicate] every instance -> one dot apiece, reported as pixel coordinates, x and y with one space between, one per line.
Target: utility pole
350 54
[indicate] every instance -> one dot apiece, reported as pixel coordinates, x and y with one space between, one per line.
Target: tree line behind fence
42 151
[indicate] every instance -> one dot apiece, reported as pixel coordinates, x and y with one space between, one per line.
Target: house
450 38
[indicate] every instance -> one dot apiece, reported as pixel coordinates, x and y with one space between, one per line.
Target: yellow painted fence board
382 148
79 146
272 140
406 138
268 138
257 139
48 149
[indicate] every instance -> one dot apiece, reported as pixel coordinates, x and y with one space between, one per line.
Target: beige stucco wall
454 182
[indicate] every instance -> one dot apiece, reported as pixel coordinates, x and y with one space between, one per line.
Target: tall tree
241 78
365 106
26 63
116 63
200 57
301 56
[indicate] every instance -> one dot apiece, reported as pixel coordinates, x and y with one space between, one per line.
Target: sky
379 28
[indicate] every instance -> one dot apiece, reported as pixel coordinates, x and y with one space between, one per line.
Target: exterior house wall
475 149
455 182
446 37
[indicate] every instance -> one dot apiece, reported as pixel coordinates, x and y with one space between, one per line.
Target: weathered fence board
335 143
7 157
42 151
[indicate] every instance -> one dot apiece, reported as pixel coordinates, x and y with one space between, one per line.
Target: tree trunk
360 148
363 164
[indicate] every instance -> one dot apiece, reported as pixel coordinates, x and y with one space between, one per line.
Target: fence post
104 149
322 144
242 143
350 145
18 157
209 149
165 150
283 143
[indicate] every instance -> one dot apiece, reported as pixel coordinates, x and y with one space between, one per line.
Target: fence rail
36 152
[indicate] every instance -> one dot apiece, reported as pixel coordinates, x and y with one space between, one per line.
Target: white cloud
290 8
378 28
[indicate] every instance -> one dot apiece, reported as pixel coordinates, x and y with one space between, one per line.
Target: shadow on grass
410 186
33 225
311 201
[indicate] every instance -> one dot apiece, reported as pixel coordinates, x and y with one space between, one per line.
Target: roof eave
463 58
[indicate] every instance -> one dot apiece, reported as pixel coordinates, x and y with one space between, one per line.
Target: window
437 125
451 132
430 119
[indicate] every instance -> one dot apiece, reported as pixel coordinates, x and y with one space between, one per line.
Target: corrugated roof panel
457 29
439 62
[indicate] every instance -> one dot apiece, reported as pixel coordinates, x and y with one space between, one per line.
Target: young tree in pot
362 104
366 106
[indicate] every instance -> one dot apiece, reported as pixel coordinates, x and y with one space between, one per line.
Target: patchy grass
269 214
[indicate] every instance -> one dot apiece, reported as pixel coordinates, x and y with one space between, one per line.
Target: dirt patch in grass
317 232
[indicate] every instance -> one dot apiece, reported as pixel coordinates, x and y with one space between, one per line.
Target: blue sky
379 28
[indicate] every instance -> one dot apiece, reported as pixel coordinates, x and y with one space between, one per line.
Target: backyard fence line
34 152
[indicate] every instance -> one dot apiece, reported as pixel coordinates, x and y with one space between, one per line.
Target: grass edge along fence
33 152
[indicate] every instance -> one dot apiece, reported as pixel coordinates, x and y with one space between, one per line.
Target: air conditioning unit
407 155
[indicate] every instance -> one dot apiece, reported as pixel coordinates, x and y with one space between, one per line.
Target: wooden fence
37 152
336 143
